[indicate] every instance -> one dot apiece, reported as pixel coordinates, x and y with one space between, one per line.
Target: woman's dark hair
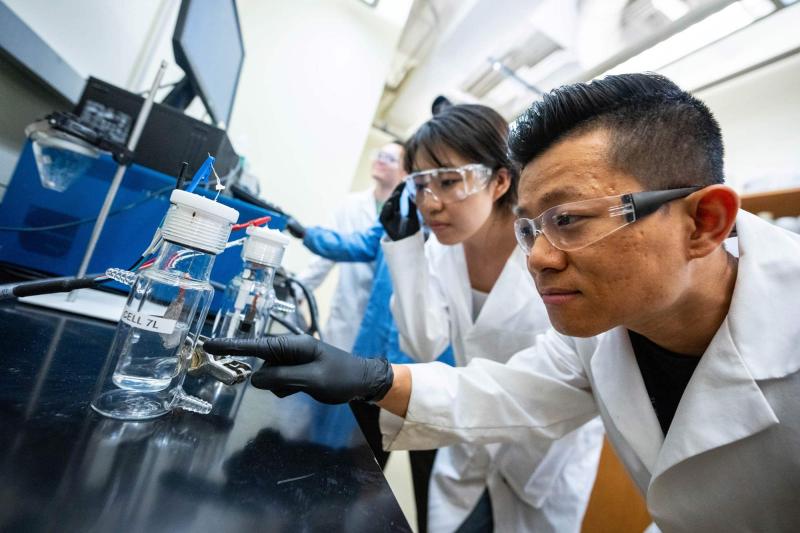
660 134
475 132
440 103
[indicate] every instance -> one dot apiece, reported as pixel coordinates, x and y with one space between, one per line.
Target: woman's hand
397 225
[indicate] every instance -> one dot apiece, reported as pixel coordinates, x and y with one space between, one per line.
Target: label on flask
148 322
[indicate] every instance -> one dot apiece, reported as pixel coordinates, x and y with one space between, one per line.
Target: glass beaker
60 158
164 315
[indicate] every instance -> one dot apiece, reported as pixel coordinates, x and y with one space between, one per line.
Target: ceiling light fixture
673 9
500 67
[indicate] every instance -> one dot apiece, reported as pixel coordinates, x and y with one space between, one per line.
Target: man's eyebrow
549 199
558 196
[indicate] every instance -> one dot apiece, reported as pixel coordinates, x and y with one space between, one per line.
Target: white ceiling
448 47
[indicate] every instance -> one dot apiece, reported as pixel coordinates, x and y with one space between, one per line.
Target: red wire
255 222
147 264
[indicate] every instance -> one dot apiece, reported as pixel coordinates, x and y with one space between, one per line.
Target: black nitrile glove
396 225
300 363
295 228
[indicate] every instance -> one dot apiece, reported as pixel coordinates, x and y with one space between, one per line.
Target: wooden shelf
781 203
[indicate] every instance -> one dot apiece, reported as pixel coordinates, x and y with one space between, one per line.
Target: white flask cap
264 246
197 222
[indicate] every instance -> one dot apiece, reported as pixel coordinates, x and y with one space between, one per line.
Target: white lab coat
731 458
545 487
357 213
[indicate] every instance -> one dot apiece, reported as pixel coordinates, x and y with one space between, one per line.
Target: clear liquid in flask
151 359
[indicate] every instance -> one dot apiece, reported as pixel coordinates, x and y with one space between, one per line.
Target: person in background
682 339
377 336
358 212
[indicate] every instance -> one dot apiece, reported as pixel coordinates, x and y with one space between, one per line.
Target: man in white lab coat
358 212
688 347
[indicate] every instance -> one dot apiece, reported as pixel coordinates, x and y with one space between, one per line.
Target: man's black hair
660 134
477 133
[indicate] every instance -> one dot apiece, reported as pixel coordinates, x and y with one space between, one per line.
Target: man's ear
713 210
502 182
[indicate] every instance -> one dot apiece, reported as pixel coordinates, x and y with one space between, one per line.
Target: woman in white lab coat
468 286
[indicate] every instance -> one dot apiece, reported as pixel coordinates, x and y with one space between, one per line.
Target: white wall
311 82
313 75
760 116
111 40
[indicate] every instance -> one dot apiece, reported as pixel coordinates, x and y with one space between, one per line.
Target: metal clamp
279 306
225 369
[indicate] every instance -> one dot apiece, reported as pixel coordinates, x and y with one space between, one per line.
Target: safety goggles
448 185
576 225
386 158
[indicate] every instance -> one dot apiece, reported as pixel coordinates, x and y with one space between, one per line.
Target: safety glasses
576 225
386 158
448 185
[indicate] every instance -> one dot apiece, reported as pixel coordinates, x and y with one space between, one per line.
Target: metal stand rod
141 120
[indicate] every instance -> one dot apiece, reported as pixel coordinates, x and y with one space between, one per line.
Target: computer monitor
208 47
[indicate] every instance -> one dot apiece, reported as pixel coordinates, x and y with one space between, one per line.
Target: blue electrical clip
405 200
405 209
202 174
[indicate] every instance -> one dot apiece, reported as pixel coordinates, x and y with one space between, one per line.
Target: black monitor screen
208 46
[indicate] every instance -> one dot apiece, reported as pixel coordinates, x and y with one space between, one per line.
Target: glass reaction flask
250 294
164 314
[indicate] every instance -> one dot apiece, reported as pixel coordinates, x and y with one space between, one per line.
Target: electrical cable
136 263
181 175
49 286
132 205
312 306
285 323
239 192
